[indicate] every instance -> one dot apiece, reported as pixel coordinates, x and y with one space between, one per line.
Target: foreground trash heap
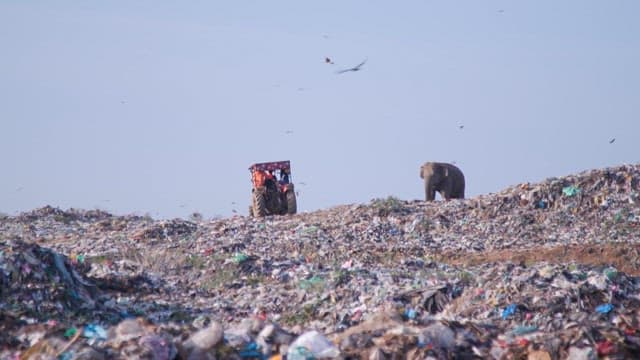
373 281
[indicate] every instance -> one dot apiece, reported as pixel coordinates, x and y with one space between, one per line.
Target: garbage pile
377 281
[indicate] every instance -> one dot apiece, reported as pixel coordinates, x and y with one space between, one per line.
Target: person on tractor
284 177
270 180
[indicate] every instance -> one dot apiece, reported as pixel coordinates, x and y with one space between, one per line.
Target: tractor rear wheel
292 206
259 204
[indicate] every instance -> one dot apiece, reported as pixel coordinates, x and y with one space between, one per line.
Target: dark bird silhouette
328 61
612 140
355 68
461 127
289 132
501 11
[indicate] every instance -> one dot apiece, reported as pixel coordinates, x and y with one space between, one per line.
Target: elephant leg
430 189
430 193
457 192
447 191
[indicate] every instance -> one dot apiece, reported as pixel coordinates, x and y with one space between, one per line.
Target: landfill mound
539 271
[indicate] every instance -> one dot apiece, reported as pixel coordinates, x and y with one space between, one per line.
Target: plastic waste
70 332
95 332
610 273
570 190
508 311
251 351
67 355
438 335
605 347
410 313
604 308
521 330
313 282
541 204
312 345
240 258
310 230
576 353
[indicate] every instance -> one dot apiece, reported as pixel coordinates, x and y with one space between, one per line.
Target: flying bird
355 68
461 127
288 132
612 140
328 61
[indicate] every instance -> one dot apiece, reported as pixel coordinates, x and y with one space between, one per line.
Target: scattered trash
467 278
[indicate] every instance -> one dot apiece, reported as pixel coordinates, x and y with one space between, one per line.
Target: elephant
444 178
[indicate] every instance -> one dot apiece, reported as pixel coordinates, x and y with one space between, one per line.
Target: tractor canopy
272 166
261 172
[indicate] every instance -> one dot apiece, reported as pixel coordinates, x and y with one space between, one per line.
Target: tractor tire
259 204
292 205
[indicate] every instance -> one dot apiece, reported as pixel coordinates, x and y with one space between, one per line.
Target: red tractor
272 192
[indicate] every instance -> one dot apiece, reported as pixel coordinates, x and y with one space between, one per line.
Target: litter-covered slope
546 270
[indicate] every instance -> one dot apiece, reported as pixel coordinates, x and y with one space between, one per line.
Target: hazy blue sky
158 107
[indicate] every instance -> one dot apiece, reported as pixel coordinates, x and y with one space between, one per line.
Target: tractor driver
284 176
270 180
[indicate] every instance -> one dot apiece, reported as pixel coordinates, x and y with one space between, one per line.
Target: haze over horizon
159 107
